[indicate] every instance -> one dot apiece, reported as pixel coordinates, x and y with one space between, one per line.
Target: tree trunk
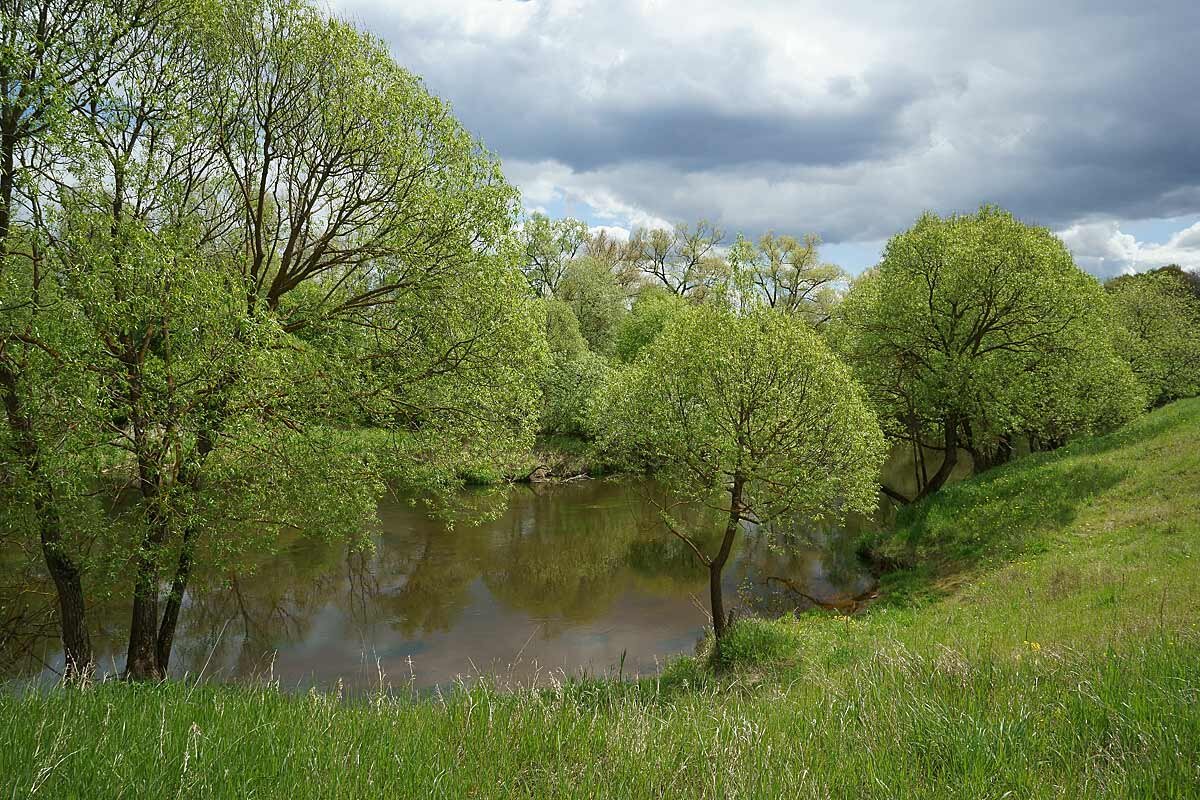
72 608
141 662
949 461
170 617
190 477
716 602
717 565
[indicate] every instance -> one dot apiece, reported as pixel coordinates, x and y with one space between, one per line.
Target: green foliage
591 289
651 311
261 231
550 245
759 396
1160 313
975 329
786 274
562 330
569 390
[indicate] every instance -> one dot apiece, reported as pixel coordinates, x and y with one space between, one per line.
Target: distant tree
966 322
652 309
591 289
1160 310
550 245
1190 279
751 415
616 255
572 375
685 261
787 274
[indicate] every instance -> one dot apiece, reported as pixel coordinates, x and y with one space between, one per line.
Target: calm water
569 578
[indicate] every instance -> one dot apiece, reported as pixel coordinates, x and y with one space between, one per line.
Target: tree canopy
971 330
750 414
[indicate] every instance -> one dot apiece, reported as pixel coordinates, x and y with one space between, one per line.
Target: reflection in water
568 578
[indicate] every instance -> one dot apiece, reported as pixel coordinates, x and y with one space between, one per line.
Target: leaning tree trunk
174 602
67 577
72 610
717 565
189 477
949 460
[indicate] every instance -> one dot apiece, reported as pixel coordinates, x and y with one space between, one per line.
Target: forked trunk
949 460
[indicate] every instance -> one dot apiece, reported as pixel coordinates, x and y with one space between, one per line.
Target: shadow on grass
1013 510
993 518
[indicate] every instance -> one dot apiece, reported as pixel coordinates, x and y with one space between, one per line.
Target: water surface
571 578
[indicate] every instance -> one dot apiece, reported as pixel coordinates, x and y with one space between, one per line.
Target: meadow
1036 637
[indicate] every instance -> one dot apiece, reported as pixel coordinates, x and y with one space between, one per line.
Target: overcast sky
847 119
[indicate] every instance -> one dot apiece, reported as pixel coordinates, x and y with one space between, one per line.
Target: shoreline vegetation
1036 637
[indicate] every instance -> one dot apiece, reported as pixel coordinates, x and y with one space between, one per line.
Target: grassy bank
1039 639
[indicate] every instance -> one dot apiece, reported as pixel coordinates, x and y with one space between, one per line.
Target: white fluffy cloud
1103 249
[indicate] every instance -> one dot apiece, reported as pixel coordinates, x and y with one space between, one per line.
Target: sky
845 119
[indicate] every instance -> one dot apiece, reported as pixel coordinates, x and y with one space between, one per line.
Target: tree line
236 234
757 380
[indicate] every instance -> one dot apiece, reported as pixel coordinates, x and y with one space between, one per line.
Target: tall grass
1040 642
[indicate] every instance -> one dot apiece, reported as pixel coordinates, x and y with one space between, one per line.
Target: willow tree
55 56
550 245
684 260
1160 312
262 231
372 241
753 416
787 274
967 334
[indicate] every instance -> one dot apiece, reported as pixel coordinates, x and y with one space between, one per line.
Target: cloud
847 120
1104 250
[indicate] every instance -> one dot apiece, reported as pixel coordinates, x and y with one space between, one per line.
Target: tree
55 56
751 415
787 274
591 289
685 261
1160 311
652 309
965 320
259 230
550 245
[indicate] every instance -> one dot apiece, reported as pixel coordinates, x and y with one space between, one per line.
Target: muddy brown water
568 579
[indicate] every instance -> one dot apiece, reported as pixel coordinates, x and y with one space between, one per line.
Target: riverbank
1038 636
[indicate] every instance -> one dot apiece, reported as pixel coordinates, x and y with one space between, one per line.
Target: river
567 579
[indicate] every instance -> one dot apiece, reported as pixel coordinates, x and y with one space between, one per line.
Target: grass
1039 640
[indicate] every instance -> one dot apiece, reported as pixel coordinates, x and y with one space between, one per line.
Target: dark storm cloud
1060 110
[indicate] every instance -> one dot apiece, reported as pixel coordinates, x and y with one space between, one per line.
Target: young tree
751 415
964 320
